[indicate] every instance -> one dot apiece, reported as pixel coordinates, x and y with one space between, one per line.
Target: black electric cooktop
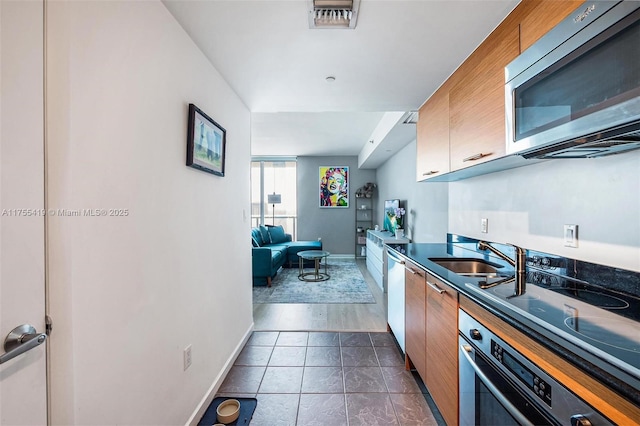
614 301
603 321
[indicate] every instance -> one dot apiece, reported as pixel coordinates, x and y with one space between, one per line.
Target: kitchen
529 207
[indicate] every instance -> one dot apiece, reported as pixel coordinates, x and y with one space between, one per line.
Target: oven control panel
535 383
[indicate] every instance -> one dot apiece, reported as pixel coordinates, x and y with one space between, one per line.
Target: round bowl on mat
228 411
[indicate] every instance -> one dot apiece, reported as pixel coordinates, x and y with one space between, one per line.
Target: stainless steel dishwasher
395 296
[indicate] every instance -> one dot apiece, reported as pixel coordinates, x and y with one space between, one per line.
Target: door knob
20 340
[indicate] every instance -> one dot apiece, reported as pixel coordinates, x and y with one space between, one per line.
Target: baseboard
217 382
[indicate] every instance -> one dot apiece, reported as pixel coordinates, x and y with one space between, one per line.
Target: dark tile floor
324 378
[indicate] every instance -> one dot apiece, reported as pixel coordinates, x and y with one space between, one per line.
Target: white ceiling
396 57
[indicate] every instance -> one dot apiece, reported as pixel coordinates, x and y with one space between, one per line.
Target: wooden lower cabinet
442 347
415 316
431 337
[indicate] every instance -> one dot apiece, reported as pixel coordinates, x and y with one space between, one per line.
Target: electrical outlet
187 357
484 225
571 235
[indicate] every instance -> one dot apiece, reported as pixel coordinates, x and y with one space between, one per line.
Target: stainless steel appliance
499 386
576 92
395 296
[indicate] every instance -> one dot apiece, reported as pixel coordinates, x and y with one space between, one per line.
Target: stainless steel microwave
575 93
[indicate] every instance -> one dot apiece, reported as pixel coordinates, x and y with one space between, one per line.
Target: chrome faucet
519 264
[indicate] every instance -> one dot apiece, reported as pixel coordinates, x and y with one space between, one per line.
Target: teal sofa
273 249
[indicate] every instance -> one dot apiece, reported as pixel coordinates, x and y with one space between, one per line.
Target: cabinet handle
436 288
432 172
476 157
412 271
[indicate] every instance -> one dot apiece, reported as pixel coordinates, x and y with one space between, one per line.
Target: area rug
346 285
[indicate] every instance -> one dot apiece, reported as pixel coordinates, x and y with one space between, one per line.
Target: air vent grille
411 118
333 13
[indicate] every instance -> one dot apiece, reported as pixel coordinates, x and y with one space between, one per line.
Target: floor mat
247 407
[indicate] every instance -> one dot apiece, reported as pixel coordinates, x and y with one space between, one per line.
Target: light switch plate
484 225
571 235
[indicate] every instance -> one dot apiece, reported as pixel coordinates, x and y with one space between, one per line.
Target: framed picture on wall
334 186
206 142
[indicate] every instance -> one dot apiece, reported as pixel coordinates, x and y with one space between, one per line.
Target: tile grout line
344 380
386 385
267 366
304 369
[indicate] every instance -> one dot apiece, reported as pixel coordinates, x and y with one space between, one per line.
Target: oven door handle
465 349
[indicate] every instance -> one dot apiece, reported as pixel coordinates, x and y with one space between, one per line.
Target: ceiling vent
410 117
333 13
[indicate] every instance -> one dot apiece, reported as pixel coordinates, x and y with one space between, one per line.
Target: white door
23 389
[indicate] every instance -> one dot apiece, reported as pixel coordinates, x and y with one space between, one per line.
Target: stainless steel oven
576 92
499 386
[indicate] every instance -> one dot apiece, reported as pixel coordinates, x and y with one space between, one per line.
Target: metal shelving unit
364 222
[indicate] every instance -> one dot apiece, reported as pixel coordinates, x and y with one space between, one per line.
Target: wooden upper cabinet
432 146
543 17
415 317
476 102
442 347
463 123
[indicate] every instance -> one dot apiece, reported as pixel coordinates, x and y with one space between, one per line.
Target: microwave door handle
465 349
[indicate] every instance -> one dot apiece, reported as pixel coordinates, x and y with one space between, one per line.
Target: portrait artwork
334 186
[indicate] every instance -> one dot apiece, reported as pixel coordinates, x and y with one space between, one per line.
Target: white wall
128 294
528 206
426 204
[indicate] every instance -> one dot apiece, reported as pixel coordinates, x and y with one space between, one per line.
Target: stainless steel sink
470 267
483 274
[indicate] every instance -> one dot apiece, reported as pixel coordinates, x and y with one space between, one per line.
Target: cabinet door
476 102
442 347
432 146
415 317
543 17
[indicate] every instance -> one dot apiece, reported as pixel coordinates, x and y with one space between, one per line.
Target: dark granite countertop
556 339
